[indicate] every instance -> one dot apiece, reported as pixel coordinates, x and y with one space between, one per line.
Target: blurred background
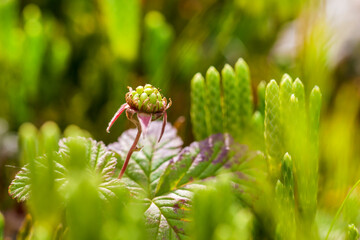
70 61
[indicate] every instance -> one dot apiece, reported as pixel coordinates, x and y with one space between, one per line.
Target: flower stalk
148 104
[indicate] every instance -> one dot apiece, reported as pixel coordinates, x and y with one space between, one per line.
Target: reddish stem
132 149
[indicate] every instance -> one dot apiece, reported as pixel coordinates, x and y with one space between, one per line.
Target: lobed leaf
146 166
167 175
99 161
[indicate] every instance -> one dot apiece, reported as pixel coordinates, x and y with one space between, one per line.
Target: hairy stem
132 149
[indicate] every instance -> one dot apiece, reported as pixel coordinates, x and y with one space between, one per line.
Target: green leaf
146 166
167 175
99 161
198 161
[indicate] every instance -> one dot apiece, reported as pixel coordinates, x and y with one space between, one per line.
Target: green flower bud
146 99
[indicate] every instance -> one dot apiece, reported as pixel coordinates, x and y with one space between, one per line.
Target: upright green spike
261 97
280 232
279 191
158 36
257 128
273 131
28 142
83 219
35 42
299 91
285 94
213 101
286 89
122 20
313 146
288 177
352 233
245 94
286 86
230 104
286 228
197 109
49 137
314 118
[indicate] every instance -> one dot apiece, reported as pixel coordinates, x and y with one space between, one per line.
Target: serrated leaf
146 165
198 161
167 176
99 161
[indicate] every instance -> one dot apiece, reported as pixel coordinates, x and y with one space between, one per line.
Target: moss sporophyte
148 104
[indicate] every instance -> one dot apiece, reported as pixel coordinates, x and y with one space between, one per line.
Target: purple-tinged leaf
167 176
198 161
146 165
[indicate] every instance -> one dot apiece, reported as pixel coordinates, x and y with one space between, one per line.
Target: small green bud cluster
146 99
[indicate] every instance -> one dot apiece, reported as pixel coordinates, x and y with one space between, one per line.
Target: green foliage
289 124
285 95
34 143
261 89
229 83
35 48
292 126
353 232
198 107
84 187
122 21
69 61
160 175
229 105
213 101
80 169
158 37
74 154
245 101
273 128
217 218
284 190
166 175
